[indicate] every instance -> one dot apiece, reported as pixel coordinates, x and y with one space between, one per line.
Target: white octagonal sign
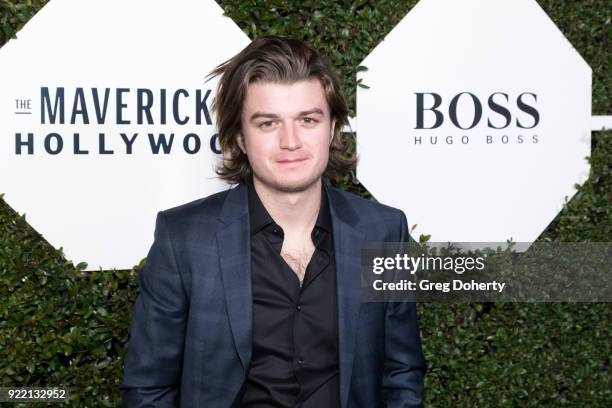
105 119
477 120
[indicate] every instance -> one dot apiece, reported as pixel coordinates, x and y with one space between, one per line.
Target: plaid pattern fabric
191 335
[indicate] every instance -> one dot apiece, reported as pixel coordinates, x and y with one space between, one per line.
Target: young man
251 297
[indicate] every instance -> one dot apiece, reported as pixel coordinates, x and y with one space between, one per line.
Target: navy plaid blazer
191 335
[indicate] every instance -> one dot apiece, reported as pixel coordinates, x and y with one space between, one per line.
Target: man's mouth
290 161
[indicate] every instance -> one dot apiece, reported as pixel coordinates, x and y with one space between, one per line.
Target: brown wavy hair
278 60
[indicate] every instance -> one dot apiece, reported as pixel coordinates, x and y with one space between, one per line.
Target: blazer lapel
347 248
234 257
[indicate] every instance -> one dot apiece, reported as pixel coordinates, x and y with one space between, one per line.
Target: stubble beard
295 187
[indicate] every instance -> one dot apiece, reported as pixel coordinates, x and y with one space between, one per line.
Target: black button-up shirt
295 329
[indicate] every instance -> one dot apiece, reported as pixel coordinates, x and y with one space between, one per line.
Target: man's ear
240 141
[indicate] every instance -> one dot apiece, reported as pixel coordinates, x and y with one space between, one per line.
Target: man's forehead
300 97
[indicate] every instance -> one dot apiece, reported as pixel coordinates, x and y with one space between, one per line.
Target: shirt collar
260 218
258 214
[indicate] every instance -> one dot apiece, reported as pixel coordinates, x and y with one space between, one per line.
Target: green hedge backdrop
60 326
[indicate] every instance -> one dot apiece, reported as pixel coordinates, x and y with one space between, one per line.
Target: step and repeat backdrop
475 120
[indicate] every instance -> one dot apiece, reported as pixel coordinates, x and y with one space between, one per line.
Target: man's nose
290 137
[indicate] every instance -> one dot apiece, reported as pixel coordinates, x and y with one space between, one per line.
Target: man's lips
289 161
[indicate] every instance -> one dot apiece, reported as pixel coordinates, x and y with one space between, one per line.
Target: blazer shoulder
203 209
369 210
379 222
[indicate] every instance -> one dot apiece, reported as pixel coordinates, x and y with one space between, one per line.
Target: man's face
286 133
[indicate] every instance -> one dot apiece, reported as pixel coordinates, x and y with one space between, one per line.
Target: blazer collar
236 205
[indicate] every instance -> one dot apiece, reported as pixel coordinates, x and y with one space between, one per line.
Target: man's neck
294 212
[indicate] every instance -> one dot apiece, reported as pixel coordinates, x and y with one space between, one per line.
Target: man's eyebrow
275 116
311 111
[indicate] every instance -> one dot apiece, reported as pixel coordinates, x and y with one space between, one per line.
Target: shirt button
300 361
299 307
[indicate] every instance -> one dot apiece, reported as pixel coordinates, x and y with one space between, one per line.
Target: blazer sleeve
154 358
405 365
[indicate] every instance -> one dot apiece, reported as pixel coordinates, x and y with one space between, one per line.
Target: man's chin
290 186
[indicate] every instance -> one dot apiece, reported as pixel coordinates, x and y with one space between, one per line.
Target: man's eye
310 120
266 124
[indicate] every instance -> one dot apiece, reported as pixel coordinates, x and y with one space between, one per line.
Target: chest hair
298 257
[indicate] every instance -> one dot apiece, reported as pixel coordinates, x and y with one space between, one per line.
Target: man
251 297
